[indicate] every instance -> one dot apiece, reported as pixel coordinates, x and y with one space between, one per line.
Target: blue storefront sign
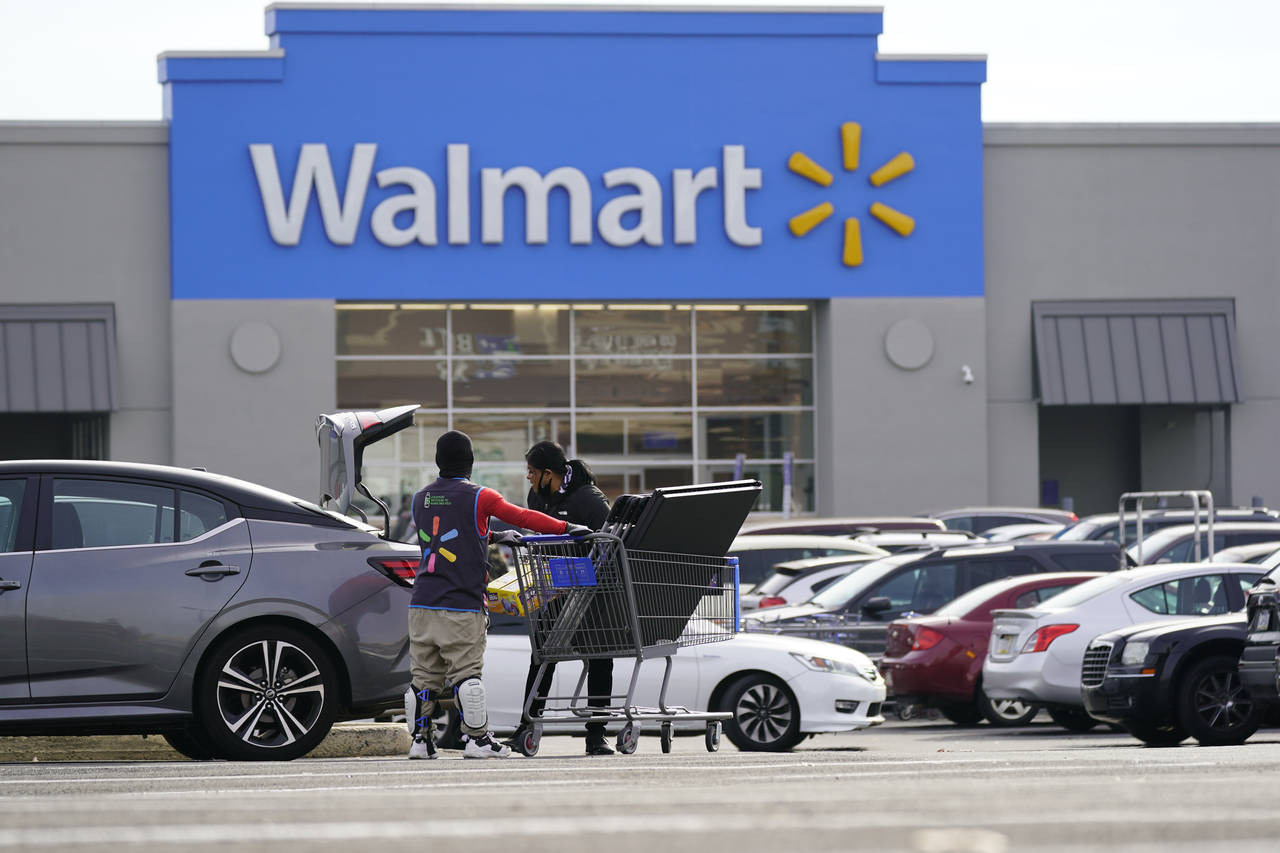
386 153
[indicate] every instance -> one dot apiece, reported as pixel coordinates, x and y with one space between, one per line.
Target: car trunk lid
343 437
1009 632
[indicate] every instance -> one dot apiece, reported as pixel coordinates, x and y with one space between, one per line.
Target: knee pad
471 703
419 707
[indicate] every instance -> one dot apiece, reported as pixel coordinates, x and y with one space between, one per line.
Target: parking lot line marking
564 825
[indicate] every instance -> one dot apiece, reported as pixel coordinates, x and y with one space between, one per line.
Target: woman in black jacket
566 489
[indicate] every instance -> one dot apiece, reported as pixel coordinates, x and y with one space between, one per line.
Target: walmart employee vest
451 575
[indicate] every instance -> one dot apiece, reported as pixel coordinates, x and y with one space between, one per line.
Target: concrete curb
345 740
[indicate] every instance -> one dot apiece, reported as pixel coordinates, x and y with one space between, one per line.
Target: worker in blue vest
447 616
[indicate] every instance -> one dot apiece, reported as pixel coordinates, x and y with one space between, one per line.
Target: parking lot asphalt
922 787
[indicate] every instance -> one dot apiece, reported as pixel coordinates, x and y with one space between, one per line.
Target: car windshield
1081 593
846 589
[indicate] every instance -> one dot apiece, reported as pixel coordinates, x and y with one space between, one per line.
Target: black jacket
582 503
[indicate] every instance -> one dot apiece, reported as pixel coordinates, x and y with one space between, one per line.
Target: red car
936 660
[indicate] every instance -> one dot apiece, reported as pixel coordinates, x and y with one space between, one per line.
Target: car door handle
8 585
212 571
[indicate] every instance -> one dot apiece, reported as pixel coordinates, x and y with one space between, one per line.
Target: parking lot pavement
925 788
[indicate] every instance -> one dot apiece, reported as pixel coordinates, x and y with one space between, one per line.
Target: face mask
544 485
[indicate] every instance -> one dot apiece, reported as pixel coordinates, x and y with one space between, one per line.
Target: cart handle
549 537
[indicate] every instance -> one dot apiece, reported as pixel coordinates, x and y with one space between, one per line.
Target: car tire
961 713
1073 719
190 743
765 714
1213 705
1005 712
1153 735
239 710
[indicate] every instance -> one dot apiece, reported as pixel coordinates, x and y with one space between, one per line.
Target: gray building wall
258 424
1134 212
85 218
892 440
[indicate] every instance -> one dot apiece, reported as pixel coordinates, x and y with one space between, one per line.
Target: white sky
1048 60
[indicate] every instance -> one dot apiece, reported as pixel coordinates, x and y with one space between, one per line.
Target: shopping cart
591 597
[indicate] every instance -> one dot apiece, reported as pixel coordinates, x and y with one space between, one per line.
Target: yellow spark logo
850 142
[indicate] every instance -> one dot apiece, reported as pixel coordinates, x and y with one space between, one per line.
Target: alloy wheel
1221 701
270 693
763 713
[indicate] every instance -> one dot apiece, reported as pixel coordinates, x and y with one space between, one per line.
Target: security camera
966 373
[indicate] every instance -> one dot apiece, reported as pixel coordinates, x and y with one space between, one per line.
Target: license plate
1002 645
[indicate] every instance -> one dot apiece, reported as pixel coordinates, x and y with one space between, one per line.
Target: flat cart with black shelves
592 597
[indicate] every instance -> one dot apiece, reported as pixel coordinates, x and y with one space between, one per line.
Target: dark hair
550 456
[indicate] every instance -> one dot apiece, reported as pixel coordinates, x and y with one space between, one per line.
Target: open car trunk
343 437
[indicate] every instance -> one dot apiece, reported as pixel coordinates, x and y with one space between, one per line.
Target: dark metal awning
57 358
1149 351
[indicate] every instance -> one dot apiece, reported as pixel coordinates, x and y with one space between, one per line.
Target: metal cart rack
592 597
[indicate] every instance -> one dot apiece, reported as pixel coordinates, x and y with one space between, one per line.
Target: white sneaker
484 746
422 747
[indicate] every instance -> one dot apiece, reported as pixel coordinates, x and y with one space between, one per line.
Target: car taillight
772 601
402 570
925 638
1040 640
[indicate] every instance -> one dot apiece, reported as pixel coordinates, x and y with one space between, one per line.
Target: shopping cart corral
592 597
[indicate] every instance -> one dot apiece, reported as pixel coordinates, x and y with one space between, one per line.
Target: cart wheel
713 736
529 742
628 737
667 733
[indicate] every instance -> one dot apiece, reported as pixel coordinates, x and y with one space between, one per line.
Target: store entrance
53 436
1093 454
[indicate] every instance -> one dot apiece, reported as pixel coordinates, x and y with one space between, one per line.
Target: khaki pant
445 647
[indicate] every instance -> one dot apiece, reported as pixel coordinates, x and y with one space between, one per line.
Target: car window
772 584
1246 537
1247 580
983 523
197 515
11 492
1032 597
751 568
960 522
818 586
979 572
1201 595
922 589
103 513
1095 561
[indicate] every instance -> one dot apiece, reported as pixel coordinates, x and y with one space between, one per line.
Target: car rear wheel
267 693
766 717
1153 735
1073 719
1006 712
1214 706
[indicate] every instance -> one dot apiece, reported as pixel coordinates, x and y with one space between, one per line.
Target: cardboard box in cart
503 595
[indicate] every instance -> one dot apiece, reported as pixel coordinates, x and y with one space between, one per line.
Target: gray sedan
237 621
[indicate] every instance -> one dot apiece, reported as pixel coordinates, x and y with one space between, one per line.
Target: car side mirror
876 606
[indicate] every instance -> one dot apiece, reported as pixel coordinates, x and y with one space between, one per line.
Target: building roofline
998 134
84 132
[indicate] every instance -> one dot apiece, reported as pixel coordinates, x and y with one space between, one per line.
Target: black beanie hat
453 454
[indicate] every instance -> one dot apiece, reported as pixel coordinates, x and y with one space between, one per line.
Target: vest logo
850 143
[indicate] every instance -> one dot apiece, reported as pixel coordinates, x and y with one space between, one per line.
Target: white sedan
1035 654
778 689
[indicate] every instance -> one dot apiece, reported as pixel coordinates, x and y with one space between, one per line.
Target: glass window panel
765 436
496 439
635 435
803 490
380 384
197 515
511 384
633 332
755 382
746 331
104 513
613 483
524 329
599 436
656 478
507 480
391 331
634 382
11 492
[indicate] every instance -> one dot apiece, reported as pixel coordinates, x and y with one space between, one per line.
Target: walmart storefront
686 244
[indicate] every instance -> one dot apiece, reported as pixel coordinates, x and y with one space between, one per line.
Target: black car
1166 682
1258 670
856 611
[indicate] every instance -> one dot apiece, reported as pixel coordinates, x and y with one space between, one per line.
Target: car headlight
866 670
1134 653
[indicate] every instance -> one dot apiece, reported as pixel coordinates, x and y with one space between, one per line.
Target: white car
1035 654
779 689
1176 544
1014 532
797 581
757 555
